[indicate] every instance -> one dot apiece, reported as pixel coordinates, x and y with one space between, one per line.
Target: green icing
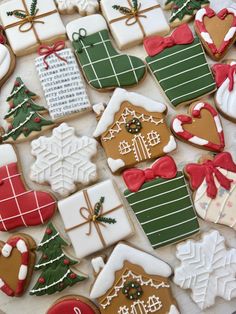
183 72
23 112
103 66
164 209
53 265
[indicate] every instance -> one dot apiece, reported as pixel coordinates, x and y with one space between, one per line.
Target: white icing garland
180 9
50 262
49 240
20 105
17 90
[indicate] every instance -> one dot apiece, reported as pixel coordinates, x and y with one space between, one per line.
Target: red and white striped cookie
216 31
201 128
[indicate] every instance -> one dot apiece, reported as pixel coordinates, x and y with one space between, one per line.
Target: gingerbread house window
124 148
123 310
153 138
154 304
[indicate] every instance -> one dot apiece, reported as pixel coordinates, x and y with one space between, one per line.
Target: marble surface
85 125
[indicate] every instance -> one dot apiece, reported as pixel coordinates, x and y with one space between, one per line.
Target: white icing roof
122 252
119 96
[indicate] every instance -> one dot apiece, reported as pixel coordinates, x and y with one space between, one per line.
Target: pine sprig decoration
98 206
135 4
107 220
33 7
17 14
97 211
122 10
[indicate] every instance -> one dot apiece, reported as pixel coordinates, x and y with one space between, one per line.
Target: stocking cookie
19 206
84 7
17 259
63 160
201 128
103 67
213 181
225 76
132 281
217 32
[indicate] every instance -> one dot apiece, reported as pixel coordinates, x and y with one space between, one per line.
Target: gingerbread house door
140 148
138 307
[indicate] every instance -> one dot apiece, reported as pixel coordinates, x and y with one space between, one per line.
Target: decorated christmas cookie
7 59
160 199
132 129
84 7
73 305
214 181
130 21
24 116
225 76
59 72
95 218
207 268
19 206
55 265
201 128
103 67
217 32
183 10
179 65
17 259
30 23
133 281
63 160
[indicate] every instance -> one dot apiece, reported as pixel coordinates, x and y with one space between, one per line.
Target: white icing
125 36
177 125
230 34
69 209
122 252
5 61
63 160
6 250
7 155
119 96
206 36
21 246
1 283
92 24
20 41
77 310
199 106
23 272
200 15
173 310
98 264
170 146
99 108
198 141
115 164
218 124
84 7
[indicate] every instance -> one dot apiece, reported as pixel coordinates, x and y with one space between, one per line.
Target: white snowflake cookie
207 268
84 7
63 160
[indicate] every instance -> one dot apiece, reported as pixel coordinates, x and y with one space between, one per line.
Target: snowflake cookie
207 268
63 160
84 7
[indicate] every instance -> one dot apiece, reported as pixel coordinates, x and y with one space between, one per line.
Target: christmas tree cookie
24 116
55 265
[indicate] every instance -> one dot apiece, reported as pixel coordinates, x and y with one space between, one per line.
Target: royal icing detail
84 7
215 272
139 131
63 160
203 128
161 201
95 218
7 59
104 68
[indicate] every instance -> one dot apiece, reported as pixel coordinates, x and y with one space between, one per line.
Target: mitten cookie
133 129
55 265
132 281
217 32
103 67
225 76
17 259
201 128
84 7
19 206
213 181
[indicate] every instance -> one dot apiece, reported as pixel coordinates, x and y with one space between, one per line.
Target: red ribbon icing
46 51
164 167
207 170
222 72
180 36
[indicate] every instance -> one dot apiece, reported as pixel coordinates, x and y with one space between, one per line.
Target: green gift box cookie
161 201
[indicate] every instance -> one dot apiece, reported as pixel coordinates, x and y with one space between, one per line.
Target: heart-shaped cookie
202 129
17 259
216 31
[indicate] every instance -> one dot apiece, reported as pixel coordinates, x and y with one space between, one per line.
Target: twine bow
46 51
80 40
224 71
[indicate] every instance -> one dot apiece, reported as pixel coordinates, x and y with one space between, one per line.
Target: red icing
20 207
71 306
156 44
222 72
164 167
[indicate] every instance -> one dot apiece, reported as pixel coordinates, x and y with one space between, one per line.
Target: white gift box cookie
29 23
129 25
95 218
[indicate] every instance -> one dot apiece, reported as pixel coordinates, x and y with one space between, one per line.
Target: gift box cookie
29 23
179 65
132 129
161 201
131 21
95 218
